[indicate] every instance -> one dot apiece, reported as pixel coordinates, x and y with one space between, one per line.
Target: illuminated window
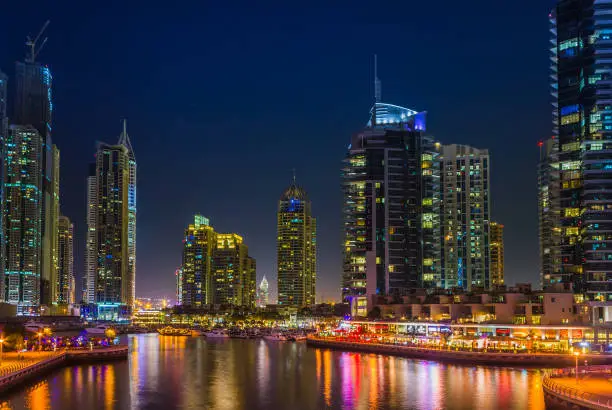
571 231
569 165
571 212
564 45
427 201
427 262
391 268
596 146
572 146
570 119
378 260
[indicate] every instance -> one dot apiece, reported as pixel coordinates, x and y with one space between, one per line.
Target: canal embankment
472 357
15 372
590 388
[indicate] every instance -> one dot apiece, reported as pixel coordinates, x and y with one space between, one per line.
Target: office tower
464 213
390 183
23 188
110 277
131 229
216 268
34 107
496 231
548 215
582 122
65 266
233 272
296 247
263 295
198 243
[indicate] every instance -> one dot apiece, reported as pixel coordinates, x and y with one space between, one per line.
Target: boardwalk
11 363
593 390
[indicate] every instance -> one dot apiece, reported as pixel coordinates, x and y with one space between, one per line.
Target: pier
591 388
14 369
447 355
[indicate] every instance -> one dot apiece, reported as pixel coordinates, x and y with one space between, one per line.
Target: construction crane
33 46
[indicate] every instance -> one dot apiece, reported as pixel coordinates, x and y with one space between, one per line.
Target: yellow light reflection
109 386
327 365
38 397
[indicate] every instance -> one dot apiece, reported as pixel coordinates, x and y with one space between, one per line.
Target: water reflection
192 373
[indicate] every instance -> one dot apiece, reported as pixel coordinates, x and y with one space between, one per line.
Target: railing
575 395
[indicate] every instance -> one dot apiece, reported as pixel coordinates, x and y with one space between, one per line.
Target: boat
217 334
174 331
276 337
34 327
196 332
98 330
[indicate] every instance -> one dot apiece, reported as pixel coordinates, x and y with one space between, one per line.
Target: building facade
464 213
296 248
390 182
216 268
497 253
23 188
582 122
550 231
65 267
3 136
111 281
233 272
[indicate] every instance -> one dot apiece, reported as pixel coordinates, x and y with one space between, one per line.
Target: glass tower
296 248
390 182
497 254
23 188
234 272
582 121
65 267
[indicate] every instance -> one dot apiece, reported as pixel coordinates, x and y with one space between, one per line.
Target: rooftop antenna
377 97
33 46
124 138
293 176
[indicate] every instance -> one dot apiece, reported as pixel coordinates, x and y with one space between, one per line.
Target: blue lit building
390 182
581 52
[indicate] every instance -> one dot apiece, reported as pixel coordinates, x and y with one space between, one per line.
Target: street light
1 345
39 339
576 354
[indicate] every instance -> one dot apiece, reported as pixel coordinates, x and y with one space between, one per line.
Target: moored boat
174 331
98 330
217 334
276 337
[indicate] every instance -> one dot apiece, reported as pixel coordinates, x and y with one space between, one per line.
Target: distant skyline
224 101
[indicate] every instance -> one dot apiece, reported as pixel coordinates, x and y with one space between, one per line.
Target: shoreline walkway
592 389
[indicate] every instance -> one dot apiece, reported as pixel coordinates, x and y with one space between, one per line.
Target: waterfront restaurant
461 336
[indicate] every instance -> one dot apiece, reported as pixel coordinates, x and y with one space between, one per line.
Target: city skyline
158 257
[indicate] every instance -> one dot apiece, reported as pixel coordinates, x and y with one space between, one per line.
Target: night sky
224 101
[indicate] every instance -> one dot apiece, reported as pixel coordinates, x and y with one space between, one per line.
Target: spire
293 176
377 90
124 138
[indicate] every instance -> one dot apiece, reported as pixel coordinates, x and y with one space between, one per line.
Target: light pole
39 340
1 346
576 354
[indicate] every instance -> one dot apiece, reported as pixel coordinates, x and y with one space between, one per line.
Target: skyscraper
3 136
390 182
34 107
216 268
464 211
234 272
263 294
548 213
179 285
497 253
582 122
23 187
109 247
296 248
65 267
198 244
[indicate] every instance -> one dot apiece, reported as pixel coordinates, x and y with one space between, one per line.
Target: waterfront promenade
449 355
14 369
591 390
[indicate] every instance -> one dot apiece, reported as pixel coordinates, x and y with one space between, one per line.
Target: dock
446 355
15 370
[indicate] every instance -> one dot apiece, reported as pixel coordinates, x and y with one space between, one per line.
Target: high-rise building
109 249
582 123
198 244
216 268
296 247
464 212
233 272
50 257
65 268
3 136
390 182
34 107
179 285
131 238
497 253
263 294
548 213
23 187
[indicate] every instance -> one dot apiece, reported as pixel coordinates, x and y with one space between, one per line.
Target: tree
375 313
